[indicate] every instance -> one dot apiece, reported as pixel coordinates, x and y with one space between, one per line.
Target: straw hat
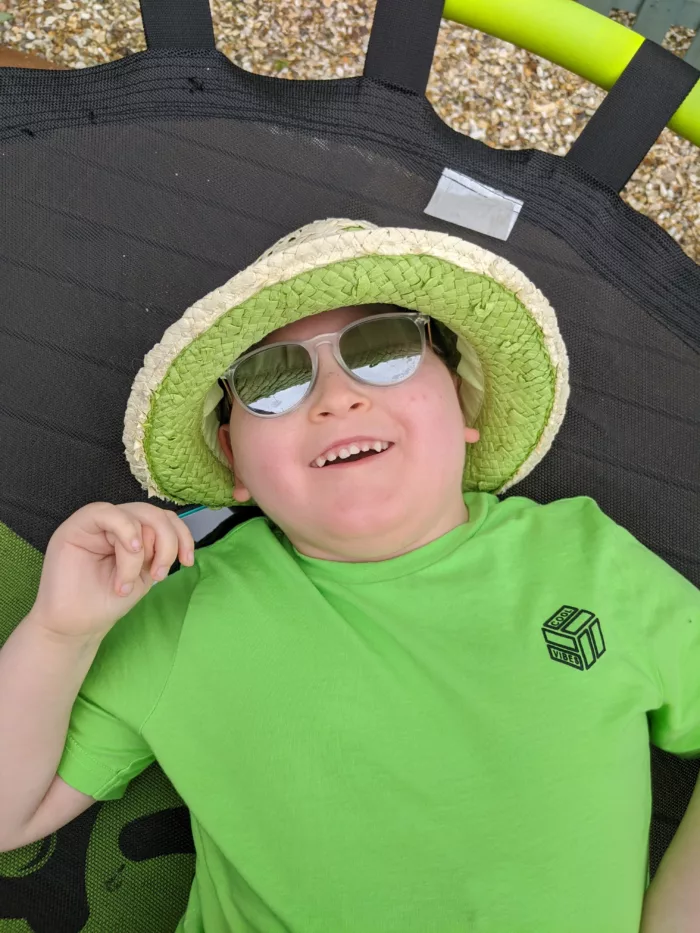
513 362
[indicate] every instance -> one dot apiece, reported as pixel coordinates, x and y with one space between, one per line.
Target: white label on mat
461 200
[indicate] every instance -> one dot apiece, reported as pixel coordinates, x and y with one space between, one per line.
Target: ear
471 435
240 492
224 435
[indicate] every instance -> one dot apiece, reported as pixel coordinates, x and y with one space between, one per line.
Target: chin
367 516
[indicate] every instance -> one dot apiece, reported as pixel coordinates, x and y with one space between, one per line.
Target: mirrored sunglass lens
274 380
383 351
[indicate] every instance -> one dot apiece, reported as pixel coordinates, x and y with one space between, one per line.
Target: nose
335 393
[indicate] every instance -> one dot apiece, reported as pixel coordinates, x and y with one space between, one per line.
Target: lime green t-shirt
452 740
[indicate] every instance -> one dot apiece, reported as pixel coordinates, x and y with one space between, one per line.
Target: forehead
327 322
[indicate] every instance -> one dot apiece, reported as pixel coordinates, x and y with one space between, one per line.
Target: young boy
394 703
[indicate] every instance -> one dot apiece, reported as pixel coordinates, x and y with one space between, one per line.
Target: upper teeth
343 453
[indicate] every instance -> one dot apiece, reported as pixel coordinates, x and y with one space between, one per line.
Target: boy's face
367 509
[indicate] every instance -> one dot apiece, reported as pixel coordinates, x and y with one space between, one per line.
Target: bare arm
40 676
61 804
672 903
99 563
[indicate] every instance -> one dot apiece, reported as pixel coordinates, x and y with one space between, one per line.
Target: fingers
105 517
166 548
123 531
173 538
146 540
185 539
128 568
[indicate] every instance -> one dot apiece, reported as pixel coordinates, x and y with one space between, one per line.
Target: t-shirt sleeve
669 604
105 748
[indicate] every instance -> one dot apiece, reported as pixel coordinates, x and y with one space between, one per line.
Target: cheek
431 411
261 450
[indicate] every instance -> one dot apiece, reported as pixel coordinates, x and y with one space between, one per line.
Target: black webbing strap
630 119
177 24
402 42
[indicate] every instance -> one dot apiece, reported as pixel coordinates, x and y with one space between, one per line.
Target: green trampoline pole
571 35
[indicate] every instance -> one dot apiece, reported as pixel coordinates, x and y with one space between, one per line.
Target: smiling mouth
353 458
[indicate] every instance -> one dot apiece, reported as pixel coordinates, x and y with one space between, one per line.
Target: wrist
41 626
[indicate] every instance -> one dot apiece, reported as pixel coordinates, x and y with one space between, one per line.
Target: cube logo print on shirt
574 637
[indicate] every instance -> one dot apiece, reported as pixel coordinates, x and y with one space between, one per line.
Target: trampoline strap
402 42
630 119
177 24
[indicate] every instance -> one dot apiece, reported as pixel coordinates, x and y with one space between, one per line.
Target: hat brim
484 299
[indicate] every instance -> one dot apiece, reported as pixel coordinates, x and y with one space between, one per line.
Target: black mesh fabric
118 214
131 189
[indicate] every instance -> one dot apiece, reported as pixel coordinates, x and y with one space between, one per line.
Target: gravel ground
479 85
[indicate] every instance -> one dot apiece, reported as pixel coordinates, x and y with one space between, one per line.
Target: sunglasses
382 350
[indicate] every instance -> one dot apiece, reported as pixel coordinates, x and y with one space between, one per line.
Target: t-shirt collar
478 505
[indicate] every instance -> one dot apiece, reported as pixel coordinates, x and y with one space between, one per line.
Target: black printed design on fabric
574 637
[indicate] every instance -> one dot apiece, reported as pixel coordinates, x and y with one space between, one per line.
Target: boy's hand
93 573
